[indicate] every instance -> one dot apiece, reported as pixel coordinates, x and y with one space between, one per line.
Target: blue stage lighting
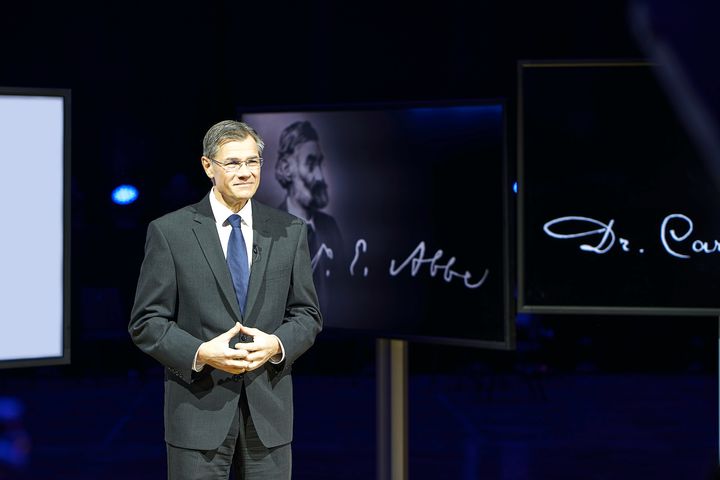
515 187
125 194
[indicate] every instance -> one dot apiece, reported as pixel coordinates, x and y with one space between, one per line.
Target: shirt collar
221 212
293 209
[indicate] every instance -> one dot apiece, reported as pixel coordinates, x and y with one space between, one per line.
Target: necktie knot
235 220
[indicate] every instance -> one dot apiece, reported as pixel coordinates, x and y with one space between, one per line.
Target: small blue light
125 194
515 187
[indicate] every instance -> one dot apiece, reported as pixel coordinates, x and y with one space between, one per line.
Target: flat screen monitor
617 211
407 210
34 246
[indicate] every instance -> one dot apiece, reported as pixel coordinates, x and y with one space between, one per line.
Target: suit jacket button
243 338
237 377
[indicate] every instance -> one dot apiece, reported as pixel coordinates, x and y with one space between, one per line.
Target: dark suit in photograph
324 233
185 297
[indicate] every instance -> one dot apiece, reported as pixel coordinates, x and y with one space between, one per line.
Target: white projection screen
34 245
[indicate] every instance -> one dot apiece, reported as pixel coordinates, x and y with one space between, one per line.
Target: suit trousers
242 452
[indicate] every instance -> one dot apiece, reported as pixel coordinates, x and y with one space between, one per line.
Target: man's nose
317 175
243 171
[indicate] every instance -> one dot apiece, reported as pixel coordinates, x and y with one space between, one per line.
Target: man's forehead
239 148
310 147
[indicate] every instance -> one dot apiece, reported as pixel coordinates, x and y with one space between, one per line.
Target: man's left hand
261 349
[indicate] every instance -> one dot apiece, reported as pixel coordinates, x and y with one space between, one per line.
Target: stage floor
481 425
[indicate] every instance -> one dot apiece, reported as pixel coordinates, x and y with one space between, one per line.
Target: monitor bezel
522 305
65 357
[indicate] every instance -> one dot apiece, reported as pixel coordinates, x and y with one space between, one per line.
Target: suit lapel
261 252
207 236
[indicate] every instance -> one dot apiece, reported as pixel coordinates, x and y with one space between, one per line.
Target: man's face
308 187
238 187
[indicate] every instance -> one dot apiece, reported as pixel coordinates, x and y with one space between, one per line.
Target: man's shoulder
180 216
320 217
326 225
274 215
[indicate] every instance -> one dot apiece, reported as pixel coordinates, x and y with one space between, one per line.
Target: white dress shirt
224 229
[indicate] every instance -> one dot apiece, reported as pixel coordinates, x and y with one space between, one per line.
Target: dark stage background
575 400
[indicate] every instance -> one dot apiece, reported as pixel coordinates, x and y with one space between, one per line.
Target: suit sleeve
303 320
152 321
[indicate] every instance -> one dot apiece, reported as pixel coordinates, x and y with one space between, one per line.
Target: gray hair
228 131
294 134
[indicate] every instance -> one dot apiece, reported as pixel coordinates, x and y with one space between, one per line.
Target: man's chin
244 192
318 202
318 205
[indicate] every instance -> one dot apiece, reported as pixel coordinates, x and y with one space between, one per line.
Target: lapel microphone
256 253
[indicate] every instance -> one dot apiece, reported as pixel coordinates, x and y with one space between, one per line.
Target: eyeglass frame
236 166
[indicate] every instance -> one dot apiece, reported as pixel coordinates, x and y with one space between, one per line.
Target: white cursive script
417 259
668 234
360 246
607 239
323 250
675 230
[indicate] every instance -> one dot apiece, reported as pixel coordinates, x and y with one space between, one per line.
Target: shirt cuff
280 357
197 367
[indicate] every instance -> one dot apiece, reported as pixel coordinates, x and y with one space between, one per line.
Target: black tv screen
34 247
618 212
407 209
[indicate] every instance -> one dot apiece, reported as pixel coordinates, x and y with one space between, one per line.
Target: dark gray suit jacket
185 297
329 273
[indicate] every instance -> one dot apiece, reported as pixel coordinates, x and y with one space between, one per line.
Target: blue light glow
124 194
515 187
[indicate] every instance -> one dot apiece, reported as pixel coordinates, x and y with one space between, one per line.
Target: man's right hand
218 353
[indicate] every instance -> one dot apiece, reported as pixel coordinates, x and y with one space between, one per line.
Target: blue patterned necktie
237 261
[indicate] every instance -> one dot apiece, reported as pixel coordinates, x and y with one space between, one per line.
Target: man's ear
282 172
207 166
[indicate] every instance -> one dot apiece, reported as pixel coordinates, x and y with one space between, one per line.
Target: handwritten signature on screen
675 232
416 264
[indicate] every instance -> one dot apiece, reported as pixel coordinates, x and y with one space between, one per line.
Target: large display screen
618 212
34 246
407 211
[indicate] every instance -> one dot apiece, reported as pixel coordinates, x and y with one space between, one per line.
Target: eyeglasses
233 167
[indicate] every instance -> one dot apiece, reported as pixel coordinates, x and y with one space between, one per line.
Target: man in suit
226 302
299 170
